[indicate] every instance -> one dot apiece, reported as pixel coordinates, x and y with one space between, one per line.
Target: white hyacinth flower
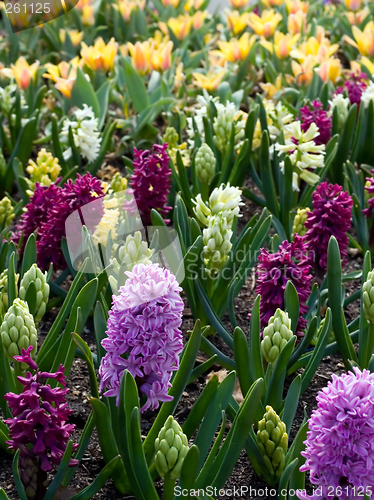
342 104
368 95
226 201
85 133
304 153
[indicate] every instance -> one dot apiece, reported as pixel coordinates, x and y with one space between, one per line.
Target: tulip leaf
83 93
135 86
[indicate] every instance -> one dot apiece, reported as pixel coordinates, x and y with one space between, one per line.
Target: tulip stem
169 484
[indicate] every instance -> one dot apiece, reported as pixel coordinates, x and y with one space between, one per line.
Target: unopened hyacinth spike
171 447
39 279
276 335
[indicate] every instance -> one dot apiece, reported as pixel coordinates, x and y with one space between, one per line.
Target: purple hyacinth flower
143 334
314 113
355 86
151 180
339 447
39 427
331 216
289 263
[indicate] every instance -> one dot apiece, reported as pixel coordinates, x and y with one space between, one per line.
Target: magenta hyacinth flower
39 427
355 86
143 334
339 447
289 263
331 216
369 186
151 180
314 113
36 211
48 210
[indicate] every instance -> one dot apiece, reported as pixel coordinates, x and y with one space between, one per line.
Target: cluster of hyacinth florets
143 334
340 442
39 427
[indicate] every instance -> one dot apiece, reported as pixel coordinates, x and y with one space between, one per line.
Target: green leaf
99 481
189 470
87 354
30 297
83 93
242 359
200 407
334 284
291 303
267 176
12 294
291 403
29 254
255 361
62 468
103 98
20 488
135 86
285 477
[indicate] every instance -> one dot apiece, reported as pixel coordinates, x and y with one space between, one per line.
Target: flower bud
276 335
6 213
368 297
205 162
18 330
118 183
227 117
299 222
217 243
28 470
272 441
171 136
133 251
171 447
4 303
36 276
45 171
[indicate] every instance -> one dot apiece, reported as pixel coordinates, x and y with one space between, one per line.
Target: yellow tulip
193 4
294 6
236 22
88 15
125 7
198 19
141 56
330 70
208 82
75 36
271 89
319 47
179 77
161 57
296 22
353 5
303 72
282 44
238 4
64 75
235 50
273 3
180 26
100 56
369 64
364 40
266 24
174 3
22 72
357 17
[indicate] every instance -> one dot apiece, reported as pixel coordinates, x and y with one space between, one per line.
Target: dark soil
243 474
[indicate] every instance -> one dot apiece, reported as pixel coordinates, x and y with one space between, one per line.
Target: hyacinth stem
370 346
18 372
169 484
204 191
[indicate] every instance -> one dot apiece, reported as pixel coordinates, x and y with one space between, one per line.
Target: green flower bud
18 330
4 303
6 213
276 335
368 297
45 171
217 243
36 276
205 162
133 251
171 136
299 222
171 447
227 117
272 441
118 183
